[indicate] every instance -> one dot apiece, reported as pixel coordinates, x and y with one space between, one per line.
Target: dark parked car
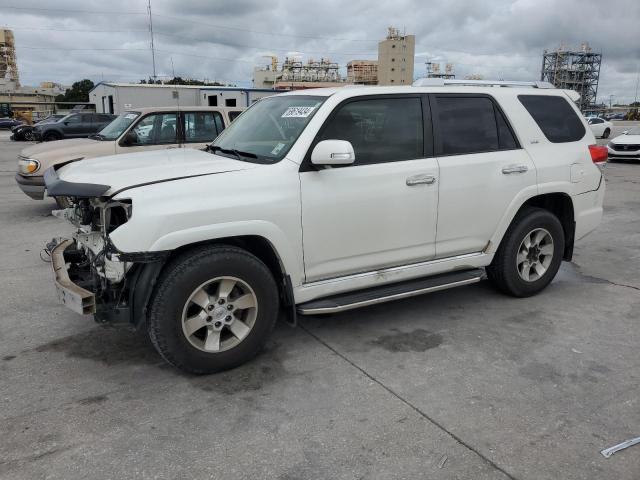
74 125
25 132
7 123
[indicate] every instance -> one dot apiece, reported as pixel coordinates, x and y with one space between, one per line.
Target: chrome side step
388 293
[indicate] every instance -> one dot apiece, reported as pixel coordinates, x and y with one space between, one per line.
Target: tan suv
137 130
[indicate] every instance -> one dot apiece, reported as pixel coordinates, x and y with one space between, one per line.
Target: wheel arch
257 245
561 205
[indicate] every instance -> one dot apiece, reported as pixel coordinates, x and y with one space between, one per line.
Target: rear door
380 211
482 169
199 129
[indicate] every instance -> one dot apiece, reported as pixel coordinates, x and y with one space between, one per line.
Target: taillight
599 153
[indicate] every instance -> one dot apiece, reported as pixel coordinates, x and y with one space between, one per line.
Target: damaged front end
92 276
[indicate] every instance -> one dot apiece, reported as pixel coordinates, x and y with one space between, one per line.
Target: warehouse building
116 98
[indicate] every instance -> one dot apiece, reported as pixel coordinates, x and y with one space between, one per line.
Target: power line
69 10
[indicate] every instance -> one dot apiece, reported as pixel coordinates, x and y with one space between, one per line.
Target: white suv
325 200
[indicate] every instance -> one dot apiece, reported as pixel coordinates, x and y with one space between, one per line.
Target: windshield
117 126
268 129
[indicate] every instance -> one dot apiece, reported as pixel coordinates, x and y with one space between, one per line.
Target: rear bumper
588 208
70 294
31 186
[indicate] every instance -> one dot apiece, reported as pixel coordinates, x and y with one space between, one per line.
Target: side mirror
333 152
129 139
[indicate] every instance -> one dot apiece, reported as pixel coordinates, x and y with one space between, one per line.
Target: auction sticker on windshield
297 112
131 116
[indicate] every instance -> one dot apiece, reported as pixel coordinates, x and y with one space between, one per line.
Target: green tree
79 92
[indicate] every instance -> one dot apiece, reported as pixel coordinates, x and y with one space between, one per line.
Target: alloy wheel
535 255
219 314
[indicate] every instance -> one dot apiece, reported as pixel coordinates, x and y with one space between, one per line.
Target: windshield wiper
238 153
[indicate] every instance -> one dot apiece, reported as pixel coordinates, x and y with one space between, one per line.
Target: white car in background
600 127
625 146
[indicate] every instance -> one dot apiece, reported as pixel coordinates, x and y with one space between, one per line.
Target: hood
626 140
62 150
120 172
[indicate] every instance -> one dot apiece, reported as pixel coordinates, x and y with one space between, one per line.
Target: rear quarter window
555 117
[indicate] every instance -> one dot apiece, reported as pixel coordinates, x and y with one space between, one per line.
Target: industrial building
294 74
435 71
117 97
395 58
362 72
27 103
577 70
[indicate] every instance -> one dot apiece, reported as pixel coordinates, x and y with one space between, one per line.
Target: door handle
514 169
421 180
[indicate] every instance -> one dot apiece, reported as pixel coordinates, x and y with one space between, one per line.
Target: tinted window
505 136
555 117
156 129
381 130
200 127
73 119
466 125
87 117
233 115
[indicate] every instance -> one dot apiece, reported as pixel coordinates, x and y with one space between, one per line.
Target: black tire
51 136
606 133
63 202
180 278
504 271
29 137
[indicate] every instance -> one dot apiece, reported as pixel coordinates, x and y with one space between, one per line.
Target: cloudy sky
67 40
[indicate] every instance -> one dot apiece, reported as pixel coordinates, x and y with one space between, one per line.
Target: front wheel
213 309
606 133
529 255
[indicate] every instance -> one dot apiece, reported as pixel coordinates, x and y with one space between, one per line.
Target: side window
380 130
87 118
555 117
156 129
506 140
73 119
230 102
200 127
466 125
233 115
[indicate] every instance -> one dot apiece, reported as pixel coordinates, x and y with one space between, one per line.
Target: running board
387 293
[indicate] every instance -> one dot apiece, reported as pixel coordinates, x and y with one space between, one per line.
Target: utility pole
153 51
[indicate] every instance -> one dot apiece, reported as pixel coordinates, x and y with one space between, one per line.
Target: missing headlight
117 214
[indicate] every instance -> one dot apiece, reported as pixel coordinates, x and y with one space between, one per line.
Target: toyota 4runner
326 200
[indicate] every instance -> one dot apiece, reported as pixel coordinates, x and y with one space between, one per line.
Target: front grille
625 147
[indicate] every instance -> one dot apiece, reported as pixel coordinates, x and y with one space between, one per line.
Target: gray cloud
223 40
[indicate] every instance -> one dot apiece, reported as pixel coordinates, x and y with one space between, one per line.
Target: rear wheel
529 255
606 133
213 309
29 136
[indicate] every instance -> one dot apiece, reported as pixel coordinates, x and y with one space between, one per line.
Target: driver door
380 211
156 131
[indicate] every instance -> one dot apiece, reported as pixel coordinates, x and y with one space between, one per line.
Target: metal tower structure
8 64
577 70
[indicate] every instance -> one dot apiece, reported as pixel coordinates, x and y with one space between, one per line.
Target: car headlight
28 166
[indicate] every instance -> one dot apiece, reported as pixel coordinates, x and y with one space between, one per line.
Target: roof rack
442 82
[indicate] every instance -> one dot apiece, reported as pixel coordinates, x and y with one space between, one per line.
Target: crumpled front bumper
69 293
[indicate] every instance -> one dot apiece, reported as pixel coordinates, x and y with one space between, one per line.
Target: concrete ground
464 384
